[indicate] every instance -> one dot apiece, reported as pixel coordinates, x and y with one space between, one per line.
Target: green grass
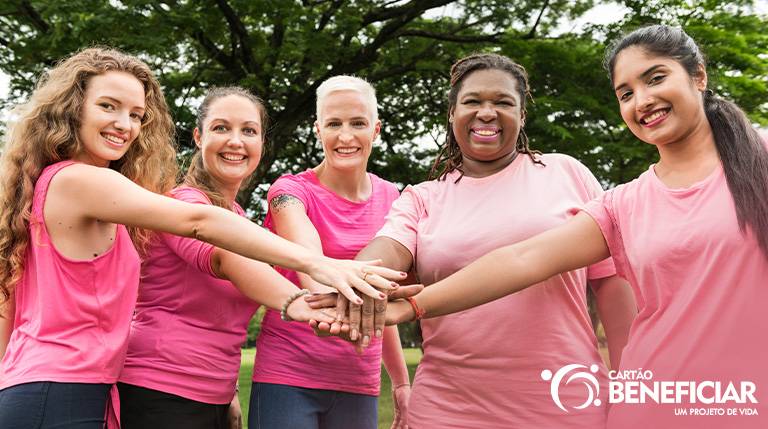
412 358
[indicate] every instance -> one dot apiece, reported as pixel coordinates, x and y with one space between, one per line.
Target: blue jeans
49 405
276 406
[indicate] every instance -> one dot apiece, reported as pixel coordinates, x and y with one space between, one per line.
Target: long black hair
740 147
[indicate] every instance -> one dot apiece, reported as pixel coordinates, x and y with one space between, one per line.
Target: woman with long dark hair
690 235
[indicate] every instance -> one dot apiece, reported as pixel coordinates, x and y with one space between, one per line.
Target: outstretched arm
261 283
506 270
100 193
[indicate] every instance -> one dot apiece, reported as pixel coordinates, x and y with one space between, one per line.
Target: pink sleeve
402 221
601 210
606 267
194 252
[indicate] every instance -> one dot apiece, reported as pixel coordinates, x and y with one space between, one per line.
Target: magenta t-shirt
72 316
482 367
702 290
290 353
189 325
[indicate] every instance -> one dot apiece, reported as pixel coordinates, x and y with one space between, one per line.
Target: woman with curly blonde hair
82 173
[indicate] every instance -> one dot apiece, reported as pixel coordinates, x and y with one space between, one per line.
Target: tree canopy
282 51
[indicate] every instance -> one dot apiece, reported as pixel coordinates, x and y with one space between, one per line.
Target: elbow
198 223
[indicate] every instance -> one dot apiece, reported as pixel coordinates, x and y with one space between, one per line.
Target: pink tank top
72 316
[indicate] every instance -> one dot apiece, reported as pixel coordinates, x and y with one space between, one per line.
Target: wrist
395 387
417 312
284 310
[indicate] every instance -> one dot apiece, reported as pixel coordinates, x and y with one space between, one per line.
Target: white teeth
485 132
347 149
654 116
232 157
113 139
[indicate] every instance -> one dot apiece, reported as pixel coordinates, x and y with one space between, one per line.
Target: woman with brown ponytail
690 235
481 368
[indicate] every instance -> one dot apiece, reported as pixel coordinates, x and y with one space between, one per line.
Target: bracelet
284 310
416 309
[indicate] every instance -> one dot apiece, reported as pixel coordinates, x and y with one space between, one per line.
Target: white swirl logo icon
576 374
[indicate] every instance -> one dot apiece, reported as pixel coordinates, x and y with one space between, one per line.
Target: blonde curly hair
45 131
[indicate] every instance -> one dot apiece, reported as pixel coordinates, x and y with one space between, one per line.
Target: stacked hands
344 313
358 319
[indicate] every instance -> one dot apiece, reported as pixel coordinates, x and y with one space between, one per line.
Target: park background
283 49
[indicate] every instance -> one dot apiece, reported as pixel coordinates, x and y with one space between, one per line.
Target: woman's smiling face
659 101
488 115
111 116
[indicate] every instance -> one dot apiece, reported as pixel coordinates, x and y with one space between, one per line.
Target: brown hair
197 177
450 157
45 131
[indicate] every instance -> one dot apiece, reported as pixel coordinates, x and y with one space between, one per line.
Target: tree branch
217 54
325 18
26 8
531 34
385 13
239 33
489 38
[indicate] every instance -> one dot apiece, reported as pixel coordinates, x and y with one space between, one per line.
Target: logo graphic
576 373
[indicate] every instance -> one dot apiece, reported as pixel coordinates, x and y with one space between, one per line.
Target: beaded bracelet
284 310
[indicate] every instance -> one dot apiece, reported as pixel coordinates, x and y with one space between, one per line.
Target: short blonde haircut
347 83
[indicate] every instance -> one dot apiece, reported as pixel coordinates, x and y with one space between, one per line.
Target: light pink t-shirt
702 291
482 367
189 325
72 316
290 353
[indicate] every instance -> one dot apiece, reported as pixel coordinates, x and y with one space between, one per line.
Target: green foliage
254 327
282 50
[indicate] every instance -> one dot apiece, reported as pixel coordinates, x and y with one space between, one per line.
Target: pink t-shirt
189 325
701 287
482 367
290 353
72 316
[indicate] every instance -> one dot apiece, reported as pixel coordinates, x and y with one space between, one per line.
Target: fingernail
382 296
402 274
353 335
378 333
366 341
394 285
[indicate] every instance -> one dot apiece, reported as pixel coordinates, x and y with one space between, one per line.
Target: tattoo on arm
282 201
